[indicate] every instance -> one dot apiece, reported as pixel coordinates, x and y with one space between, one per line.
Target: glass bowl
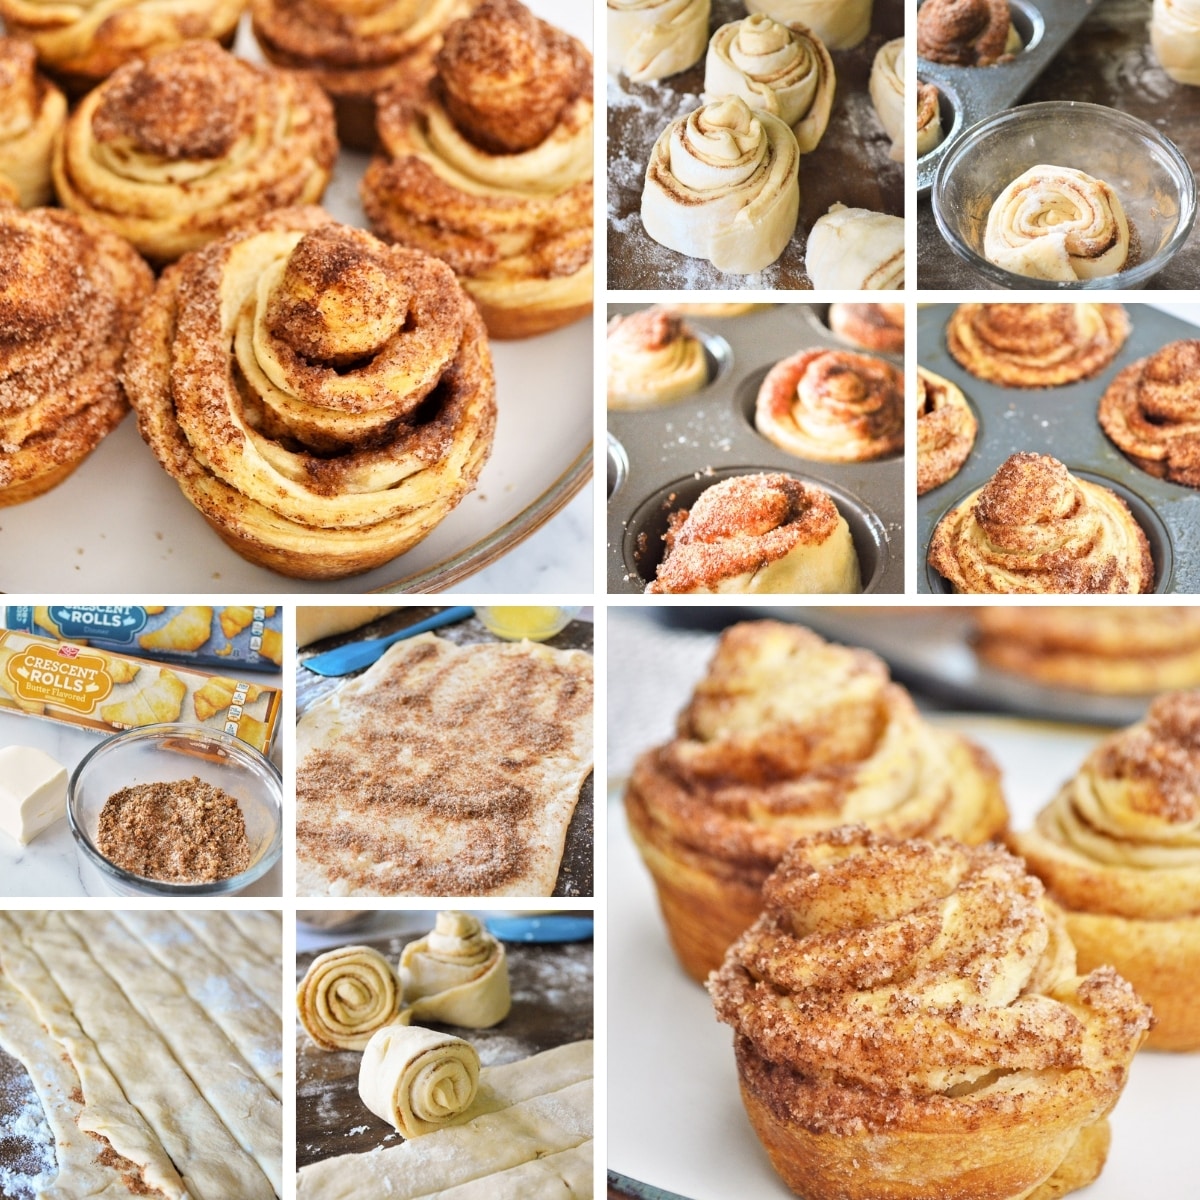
1151 177
162 754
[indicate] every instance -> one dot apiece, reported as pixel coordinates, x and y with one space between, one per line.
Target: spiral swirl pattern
966 33
929 118
84 41
346 995
174 152
778 69
32 111
840 24
653 358
651 39
786 735
457 974
916 1002
1036 345
832 406
722 185
1036 529
70 292
323 399
418 1080
946 429
1151 410
1119 850
887 93
1057 223
1175 38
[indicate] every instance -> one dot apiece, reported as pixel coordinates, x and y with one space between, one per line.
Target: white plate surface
120 524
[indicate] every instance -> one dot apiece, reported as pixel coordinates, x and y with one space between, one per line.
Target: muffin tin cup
1045 27
1062 421
660 459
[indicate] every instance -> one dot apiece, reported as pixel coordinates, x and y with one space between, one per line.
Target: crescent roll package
242 637
93 688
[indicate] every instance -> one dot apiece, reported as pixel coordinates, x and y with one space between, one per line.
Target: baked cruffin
1094 648
785 736
80 44
1036 345
1151 411
70 292
322 398
908 1023
878 327
1036 529
653 357
356 49
765 533
946 429
492 172
32 111
1119 852
832 406
174 152
967 33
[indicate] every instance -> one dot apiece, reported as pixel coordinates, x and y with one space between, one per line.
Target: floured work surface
444 771
153 1041
527 1135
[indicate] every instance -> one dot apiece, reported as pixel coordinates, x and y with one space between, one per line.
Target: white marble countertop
49 865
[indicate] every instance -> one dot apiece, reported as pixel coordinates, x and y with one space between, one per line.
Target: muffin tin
1062 421
968 94
660 459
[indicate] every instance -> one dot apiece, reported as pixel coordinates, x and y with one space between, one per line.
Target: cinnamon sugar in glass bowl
1151 178
167 753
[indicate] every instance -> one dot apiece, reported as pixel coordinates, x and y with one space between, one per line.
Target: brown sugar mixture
185 831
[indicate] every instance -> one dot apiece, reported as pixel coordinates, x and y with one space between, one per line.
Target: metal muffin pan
971 93
1062 421
660 459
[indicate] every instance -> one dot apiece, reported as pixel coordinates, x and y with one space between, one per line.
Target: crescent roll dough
416 1079
456 974
187 630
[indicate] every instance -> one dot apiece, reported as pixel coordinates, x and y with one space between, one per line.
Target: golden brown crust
303 460
929 117
80 44
174 152
832 406
878 327
1036 345
1034 528
69 294
788 734
966 33
1094 649
910 1023
515 224
32 111
946 429
1119 850
1151 410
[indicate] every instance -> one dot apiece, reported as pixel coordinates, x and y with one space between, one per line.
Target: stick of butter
33 792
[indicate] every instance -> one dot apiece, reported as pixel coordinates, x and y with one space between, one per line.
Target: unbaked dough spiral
1057 223
346 995
886 86
1175 38
785 735
722 185
651 39
782 70
1119 850
418 1080
1151 410
832 406
1035 529
910 1010
840 24
855 249
653 357
32 111
173 152
323 399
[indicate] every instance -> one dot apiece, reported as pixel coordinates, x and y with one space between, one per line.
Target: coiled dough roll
722 184
1175 38
840 24
855 248
651 39
416 1079
887 93
653 358
346 996
32 110
457 974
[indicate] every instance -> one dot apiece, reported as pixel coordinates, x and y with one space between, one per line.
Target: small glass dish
535 622
1150 176
162 754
